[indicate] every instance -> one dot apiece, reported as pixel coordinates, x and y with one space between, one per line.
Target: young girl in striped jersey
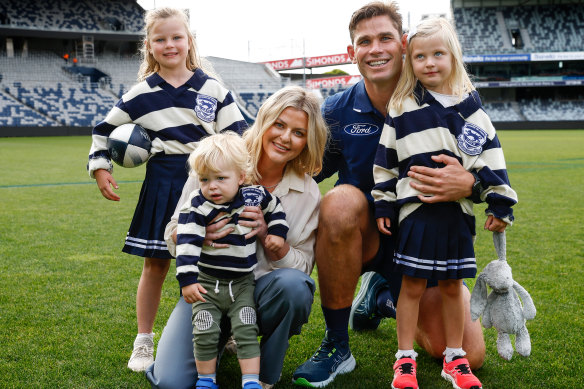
178 103
436 110
220 282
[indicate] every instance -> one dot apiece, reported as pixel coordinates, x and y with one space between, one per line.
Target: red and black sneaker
404 374
459 374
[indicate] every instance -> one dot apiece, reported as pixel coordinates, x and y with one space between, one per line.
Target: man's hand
450 183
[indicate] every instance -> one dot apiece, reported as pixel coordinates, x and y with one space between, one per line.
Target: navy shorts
165 178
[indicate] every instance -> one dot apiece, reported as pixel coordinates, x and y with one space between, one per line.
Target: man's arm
450 183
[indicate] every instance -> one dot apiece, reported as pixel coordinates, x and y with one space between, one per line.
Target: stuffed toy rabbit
502 308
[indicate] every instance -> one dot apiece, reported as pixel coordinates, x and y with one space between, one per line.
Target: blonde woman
286 143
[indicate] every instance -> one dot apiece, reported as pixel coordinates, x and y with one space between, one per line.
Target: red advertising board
311 62
286 64
331 82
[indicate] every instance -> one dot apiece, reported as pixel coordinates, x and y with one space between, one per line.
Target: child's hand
105 181
192 293
274 242
383 224
495 224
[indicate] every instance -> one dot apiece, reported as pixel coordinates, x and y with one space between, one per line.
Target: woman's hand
450 183
105 181
212 233
256 222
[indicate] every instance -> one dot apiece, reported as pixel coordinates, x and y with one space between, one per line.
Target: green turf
67 293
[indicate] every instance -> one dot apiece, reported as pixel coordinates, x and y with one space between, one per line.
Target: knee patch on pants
203 320
207 331
247 315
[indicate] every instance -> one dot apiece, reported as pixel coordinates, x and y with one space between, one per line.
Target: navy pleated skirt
436 243
162 187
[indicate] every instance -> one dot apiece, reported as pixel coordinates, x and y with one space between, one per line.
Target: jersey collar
196 81
466 107
362 103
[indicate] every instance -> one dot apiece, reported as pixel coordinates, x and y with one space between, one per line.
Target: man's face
377 50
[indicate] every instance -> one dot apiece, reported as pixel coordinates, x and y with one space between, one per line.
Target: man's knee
341 208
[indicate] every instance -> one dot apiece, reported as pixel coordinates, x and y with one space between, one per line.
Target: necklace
273 186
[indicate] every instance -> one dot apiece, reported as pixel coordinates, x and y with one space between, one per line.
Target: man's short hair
376 8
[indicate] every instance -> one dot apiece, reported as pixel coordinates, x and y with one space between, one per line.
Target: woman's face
287 137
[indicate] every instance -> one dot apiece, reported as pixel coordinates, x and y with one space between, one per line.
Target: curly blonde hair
224 149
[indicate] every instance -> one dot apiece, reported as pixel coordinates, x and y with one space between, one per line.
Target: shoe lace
325 351
141 352
463 368
406 368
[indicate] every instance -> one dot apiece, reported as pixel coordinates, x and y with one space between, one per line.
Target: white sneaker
266 386
143 354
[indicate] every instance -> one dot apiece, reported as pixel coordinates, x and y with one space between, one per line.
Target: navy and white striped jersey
422 128
175 118
240 257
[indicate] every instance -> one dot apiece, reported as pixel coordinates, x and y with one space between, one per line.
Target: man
348 242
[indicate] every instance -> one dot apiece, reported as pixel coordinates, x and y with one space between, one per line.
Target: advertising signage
311 62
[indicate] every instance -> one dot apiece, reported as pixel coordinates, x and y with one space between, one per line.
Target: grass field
67 293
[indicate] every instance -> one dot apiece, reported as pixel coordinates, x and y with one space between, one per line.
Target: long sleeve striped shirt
175 118
240 257
424 128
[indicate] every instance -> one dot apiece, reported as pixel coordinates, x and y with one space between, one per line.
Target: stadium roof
509 3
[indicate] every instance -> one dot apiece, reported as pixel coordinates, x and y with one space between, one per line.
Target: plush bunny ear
478 297
500 242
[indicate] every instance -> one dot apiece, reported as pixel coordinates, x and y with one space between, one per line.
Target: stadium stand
39 88
550 28
74 15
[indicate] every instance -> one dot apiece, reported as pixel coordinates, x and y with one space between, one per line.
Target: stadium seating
14 113
84 15
485 30
503 112
37 88
552 110
67 105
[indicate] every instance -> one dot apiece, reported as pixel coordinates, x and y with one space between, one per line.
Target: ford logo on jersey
361 129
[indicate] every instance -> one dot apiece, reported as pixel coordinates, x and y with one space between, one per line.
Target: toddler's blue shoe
206 383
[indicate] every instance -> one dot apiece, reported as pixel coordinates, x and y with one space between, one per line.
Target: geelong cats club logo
472 139
206 107
252 196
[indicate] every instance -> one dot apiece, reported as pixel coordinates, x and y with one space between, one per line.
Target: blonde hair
219 150
459 81
309 161
149 65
